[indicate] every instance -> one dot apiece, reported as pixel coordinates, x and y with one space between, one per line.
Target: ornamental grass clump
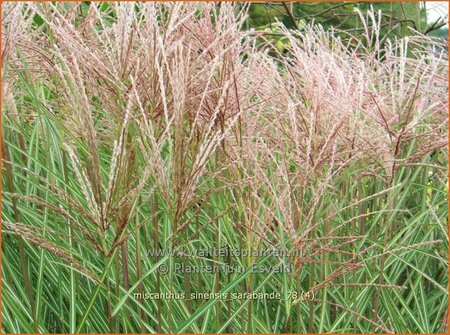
130 127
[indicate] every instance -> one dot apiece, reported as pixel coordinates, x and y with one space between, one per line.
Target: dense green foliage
398 17
128 128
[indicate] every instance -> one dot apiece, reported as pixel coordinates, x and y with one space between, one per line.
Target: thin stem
21 241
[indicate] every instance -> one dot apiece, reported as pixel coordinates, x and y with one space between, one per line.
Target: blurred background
399 18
